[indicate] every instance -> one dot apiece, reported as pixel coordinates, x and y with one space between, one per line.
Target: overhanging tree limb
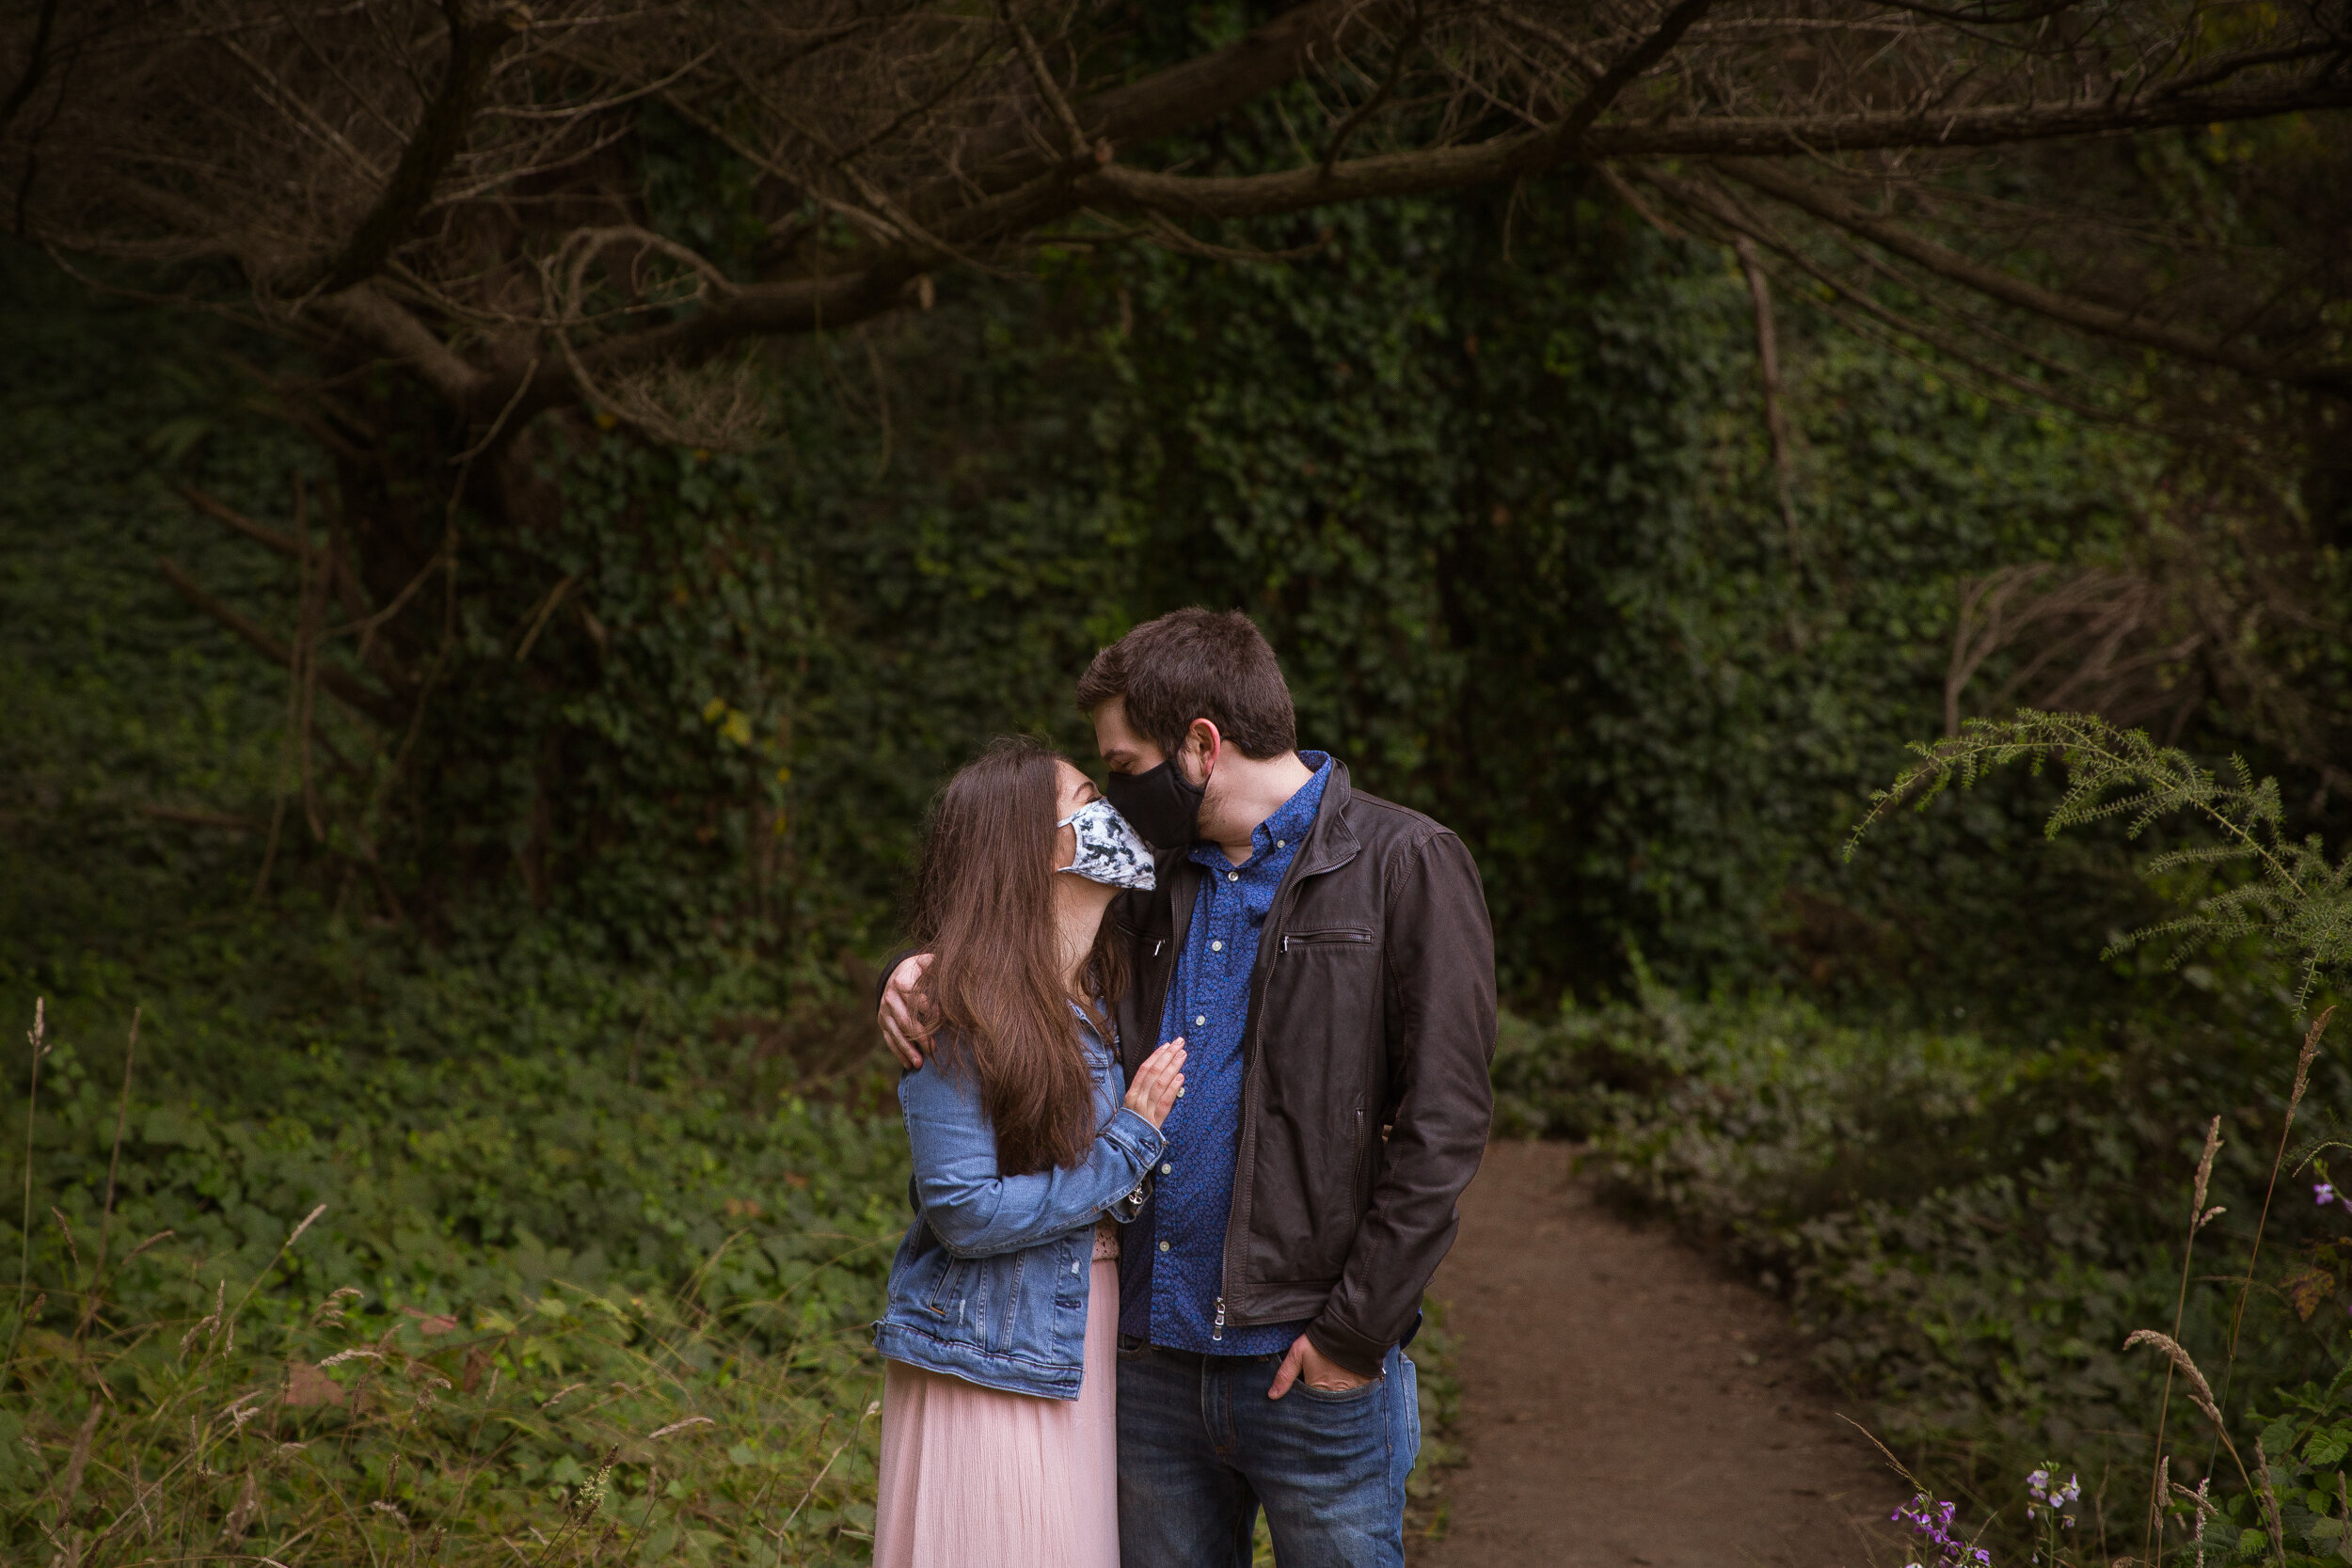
885 142
394 332
2010 289
1568 139
1523 152
838 299
1178 98
1730 222
473 46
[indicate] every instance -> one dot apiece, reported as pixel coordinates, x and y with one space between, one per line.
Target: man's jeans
1201 1449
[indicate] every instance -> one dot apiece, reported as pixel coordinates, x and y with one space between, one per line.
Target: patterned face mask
1109 852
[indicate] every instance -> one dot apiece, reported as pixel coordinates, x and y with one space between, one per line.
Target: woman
999 1441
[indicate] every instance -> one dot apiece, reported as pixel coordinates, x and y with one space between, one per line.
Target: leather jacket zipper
1216 1329
1306 939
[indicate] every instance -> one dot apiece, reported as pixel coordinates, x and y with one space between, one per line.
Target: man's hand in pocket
1307 1364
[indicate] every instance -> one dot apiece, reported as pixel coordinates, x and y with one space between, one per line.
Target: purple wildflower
2323 1192
2047 1493
1932 1521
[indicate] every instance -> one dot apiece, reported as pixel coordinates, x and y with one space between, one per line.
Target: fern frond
2295 897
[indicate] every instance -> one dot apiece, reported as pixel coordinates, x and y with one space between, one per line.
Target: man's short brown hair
1197 664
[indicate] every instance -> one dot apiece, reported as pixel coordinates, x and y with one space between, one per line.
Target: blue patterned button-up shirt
1172 1259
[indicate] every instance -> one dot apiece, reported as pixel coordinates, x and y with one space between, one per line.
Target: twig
540 616
523 386
1775 415
1894 1463
221 512
307 1221
1050 92
2151 1542
32 1103
114 1159
1372 105
2294 1098
868 1411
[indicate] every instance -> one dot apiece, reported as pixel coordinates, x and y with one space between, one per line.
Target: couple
1188 1122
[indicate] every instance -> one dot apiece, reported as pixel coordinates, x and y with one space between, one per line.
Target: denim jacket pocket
947 1297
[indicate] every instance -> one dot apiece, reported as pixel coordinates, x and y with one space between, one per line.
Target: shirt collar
1282 832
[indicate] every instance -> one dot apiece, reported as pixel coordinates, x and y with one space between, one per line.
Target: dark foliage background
1492 475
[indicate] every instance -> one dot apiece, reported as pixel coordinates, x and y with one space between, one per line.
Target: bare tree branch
1768 370
472 47
221 512
36 64
443 166
400 337
350 691
1569 140
1529 152
2014 289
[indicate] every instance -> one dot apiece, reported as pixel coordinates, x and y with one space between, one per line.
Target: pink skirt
976 1478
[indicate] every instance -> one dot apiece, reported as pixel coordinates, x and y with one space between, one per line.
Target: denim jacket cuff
1150 1142
1146 1139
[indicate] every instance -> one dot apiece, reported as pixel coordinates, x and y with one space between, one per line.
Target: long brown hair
984 908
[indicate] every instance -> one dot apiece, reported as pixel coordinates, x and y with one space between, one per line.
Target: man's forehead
1115 738
1110 723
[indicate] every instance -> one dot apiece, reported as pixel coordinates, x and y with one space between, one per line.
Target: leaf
175 438
2305 1288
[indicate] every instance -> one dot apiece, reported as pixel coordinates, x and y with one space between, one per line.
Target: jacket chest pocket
1335 936
1323 998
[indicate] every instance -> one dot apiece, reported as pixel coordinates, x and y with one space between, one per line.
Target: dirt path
1623 1402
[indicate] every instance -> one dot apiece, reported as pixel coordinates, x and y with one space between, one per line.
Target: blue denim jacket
991 1283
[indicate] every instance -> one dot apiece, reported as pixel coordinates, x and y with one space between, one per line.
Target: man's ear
1202 747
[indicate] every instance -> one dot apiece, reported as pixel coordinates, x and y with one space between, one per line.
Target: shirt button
1199 1021
1232 876
1216 947
1282 843
1167 1170
1180 1091
1163 1246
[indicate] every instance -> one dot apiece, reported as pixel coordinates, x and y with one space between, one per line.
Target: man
1327 959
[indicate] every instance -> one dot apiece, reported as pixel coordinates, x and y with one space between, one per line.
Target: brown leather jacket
1366 1102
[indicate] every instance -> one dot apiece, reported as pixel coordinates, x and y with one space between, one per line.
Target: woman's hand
1159 1082
905 1015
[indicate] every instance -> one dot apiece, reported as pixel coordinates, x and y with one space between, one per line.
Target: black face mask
1160 803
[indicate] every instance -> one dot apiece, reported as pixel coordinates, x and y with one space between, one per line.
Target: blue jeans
1202 1449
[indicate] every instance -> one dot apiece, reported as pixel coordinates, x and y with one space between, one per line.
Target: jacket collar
1330 842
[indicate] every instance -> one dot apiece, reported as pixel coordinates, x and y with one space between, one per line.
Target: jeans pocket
1362 1391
